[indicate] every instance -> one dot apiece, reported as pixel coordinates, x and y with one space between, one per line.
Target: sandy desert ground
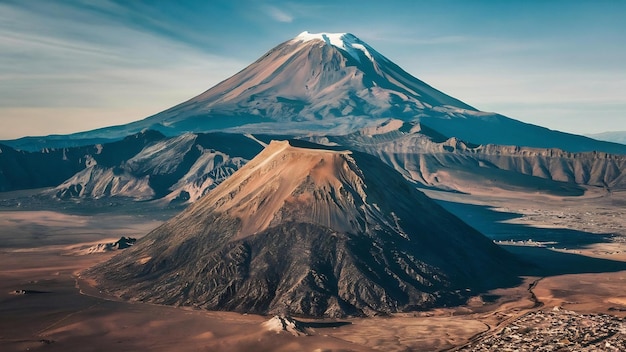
578 247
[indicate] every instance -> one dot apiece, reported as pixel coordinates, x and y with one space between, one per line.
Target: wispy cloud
64 68
278 14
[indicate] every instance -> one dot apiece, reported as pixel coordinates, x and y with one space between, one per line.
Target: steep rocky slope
314 232
149 166
178 169
50 167
430 158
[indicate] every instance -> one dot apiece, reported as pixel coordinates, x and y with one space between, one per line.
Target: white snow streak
345 41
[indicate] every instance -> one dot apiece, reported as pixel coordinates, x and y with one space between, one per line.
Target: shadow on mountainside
545 260
492 224
323 324
553 263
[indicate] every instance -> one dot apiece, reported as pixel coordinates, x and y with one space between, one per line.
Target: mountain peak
328 84
306 230
313 82
332 38
345 41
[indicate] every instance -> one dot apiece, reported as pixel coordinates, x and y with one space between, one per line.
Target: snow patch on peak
335 39
345 41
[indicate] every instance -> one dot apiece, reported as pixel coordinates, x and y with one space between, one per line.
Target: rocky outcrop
286 324
122 243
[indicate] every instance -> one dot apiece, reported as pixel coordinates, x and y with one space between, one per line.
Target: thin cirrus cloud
64 69
278 14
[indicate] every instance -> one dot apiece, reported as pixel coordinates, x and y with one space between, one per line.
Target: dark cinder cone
314 232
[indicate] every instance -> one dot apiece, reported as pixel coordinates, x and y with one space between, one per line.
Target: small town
557 330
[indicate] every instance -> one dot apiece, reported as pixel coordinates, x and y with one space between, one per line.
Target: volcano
327 80
328 84
314 231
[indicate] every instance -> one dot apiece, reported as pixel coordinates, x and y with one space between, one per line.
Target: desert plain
575 248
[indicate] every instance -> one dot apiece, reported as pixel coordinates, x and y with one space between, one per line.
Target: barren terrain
578 248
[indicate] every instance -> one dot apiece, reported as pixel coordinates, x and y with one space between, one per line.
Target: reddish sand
38 256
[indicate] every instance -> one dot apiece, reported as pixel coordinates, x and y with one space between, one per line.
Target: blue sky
68 66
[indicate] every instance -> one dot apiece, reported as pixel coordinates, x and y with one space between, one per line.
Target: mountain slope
433 160
330 83
50 167
313 232
501 130
309 80
178 169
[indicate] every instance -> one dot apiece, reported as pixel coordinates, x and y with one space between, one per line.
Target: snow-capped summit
345 41
330 84
311 83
